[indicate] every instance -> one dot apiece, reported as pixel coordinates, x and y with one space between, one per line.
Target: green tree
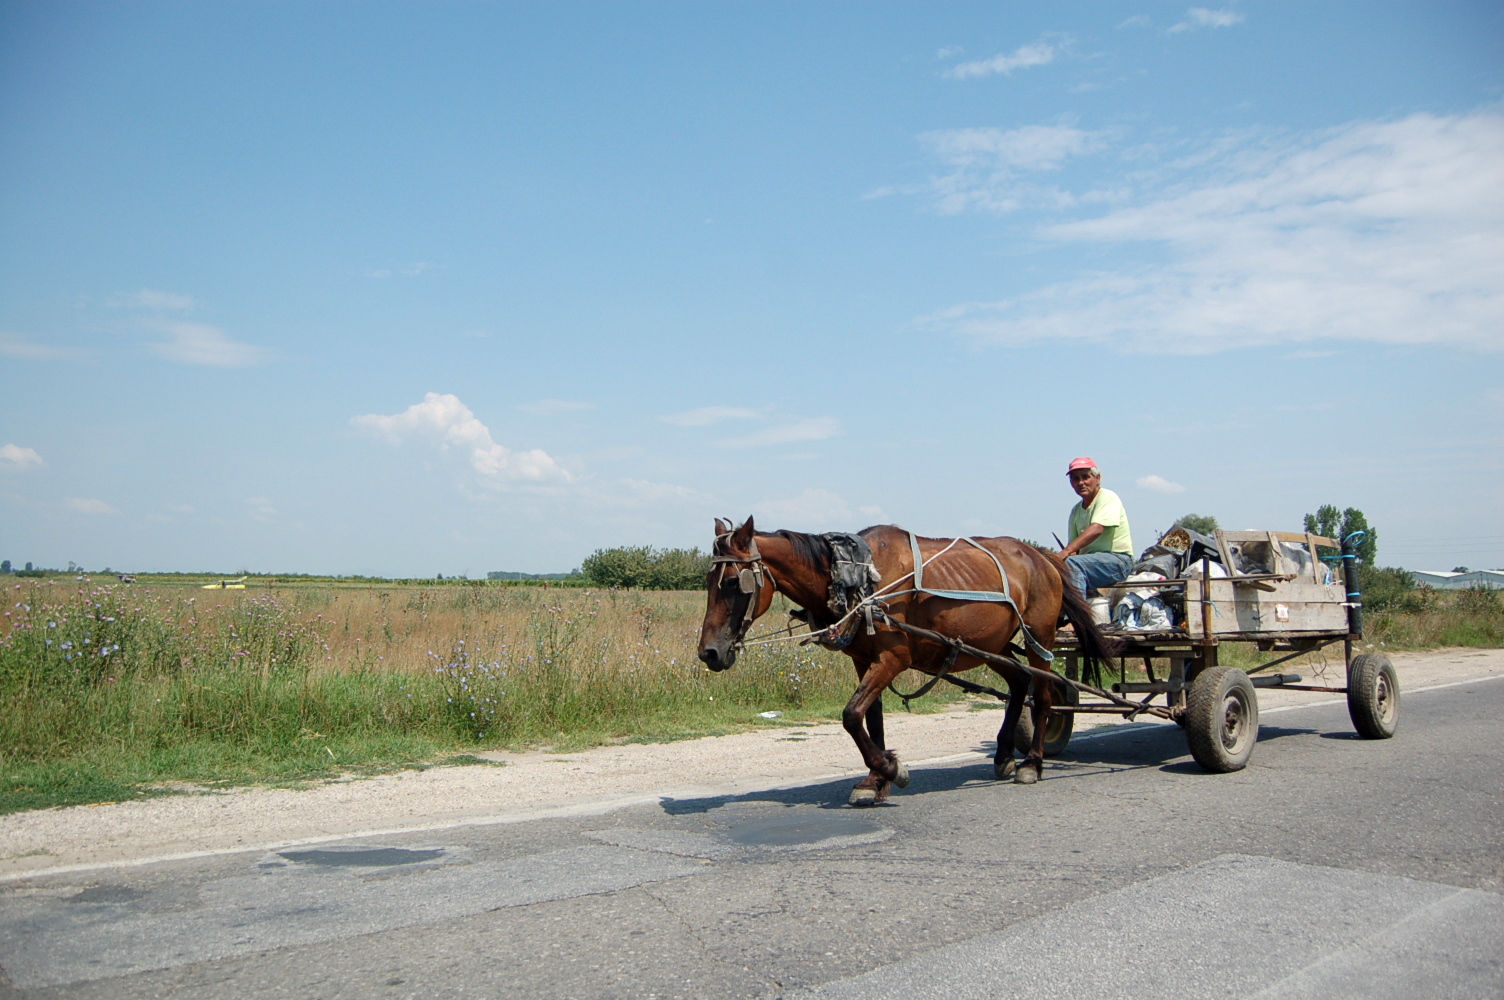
1204 523
1330 523
646 568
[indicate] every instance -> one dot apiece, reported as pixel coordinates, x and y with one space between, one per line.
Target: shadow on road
1130 749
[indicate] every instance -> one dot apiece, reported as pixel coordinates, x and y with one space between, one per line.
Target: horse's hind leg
1003 765
1032 769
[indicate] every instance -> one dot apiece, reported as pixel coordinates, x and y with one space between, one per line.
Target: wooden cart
1283 592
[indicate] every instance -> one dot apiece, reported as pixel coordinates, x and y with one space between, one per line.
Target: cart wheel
1373 696
1057 731
1222 719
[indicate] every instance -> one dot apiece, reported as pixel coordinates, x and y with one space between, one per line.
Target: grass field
114 691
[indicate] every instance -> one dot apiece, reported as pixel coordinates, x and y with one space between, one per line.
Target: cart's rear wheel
1057 730
1222 719
1373 696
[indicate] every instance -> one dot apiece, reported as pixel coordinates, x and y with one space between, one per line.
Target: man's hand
1092 533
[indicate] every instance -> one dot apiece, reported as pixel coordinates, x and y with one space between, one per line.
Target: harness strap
977 595
924 689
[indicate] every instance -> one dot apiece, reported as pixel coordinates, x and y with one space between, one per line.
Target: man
1100 552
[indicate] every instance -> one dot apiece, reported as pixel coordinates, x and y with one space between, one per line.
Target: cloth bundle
1142 609
852 574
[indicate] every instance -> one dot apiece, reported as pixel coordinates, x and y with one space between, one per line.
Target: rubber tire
1057 731
1373 696
1222 719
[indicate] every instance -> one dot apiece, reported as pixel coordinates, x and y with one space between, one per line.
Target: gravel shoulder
540 784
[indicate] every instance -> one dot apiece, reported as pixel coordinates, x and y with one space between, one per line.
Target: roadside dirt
534 785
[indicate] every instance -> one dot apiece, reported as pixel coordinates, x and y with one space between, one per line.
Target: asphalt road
1331 867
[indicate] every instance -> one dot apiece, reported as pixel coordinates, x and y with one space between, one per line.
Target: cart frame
1277 595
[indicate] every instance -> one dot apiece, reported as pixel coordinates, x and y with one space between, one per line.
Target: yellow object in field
225 585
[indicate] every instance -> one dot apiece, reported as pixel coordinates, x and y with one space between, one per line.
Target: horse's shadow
1129 749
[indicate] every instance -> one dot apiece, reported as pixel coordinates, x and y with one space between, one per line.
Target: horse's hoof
1005 769
1025 776
863 797
901 777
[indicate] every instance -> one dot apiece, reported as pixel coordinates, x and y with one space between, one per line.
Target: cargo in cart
1280 591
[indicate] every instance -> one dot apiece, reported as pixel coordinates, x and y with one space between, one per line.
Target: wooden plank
1294 606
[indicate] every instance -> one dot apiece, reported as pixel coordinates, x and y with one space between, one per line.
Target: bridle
749 580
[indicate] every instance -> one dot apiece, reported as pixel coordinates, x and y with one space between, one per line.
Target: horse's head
738 590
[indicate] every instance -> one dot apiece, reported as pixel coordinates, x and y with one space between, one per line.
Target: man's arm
1092 533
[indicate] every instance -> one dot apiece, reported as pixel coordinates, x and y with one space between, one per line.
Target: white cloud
1202 17
441 419
1386 232
1136 21
15 346
986 163
261 507
813 510
14 458
201 344
79 505
814 429
146 298
1038 53
949 52
552 407
1159 484
707 415
640 493
1030 147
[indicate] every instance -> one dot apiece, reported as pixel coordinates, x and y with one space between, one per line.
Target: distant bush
1204 523
1479 601
646 568
1392 588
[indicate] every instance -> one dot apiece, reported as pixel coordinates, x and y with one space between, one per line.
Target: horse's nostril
708 657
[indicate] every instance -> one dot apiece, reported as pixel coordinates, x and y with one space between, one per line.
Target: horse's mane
812 550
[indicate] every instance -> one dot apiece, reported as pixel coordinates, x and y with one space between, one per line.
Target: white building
1493 579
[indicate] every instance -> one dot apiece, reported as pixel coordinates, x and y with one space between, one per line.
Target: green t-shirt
1106 510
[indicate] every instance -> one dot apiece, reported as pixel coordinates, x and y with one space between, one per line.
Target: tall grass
119 685
109 689
1424 617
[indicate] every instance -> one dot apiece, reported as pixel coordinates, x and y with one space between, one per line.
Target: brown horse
750 566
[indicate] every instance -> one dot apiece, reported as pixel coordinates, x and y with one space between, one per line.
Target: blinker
745 579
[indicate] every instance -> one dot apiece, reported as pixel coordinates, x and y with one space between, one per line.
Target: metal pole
1350 580
1206 599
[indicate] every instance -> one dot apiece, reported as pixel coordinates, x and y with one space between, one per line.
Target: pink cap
1083 462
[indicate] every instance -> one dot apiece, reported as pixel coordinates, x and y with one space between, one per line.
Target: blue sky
417 288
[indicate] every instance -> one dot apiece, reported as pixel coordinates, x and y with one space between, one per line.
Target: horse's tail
1076 611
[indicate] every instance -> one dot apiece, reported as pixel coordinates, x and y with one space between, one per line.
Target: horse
750 566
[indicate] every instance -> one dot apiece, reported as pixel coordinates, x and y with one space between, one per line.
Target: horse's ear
721 527
743 536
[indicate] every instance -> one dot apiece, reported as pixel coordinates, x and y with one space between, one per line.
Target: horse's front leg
866 706
875 724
